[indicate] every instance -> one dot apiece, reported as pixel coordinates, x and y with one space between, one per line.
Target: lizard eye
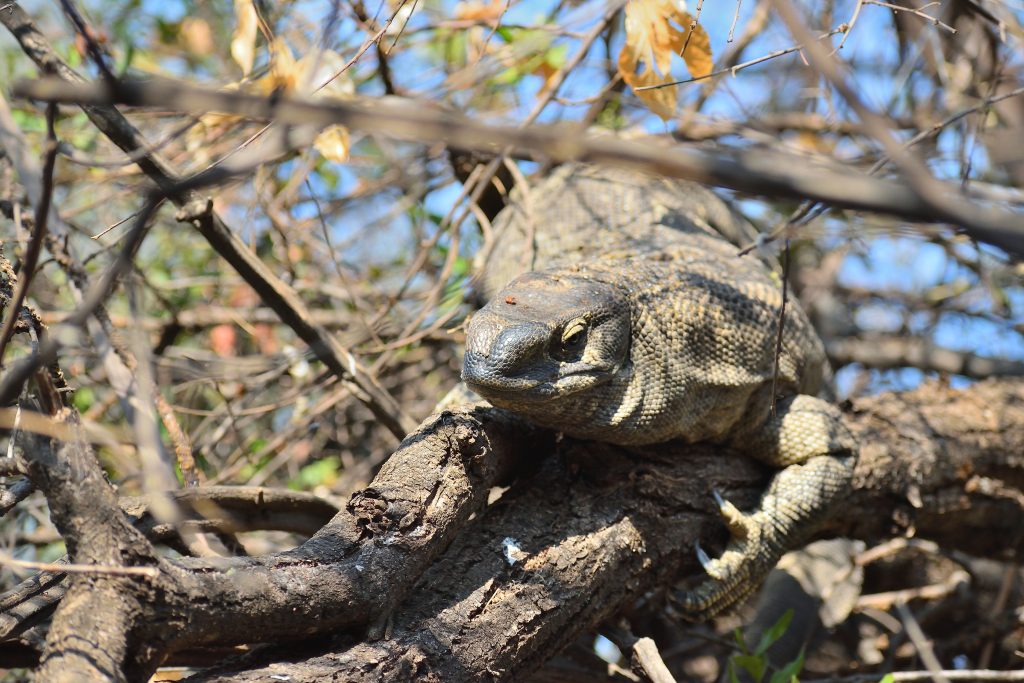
573 336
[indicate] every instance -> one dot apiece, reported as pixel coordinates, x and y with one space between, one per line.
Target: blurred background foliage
380 240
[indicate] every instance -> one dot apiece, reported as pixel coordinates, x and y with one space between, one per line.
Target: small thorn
703 558
719 501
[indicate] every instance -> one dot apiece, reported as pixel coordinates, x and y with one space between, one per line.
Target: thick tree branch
351 573
597 528
218 509
592 531
89 639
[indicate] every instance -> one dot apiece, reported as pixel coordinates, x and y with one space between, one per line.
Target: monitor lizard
621 312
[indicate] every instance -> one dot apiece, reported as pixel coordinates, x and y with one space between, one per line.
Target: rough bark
599 527
90 639
349 574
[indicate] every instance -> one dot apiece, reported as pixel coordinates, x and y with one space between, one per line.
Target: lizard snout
503 356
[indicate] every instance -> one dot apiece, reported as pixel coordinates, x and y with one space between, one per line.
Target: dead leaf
208 127
222 340
655 30
698 52
243 42
319 73
333 143
197 36
661 101
484 12
285 72
814 142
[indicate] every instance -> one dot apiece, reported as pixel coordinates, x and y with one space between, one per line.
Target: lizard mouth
568 381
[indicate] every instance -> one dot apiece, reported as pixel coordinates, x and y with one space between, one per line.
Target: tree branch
884 352
597 528
758 172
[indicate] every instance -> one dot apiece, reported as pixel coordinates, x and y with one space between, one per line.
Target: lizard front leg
808 438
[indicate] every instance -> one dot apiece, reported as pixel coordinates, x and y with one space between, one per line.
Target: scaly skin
645 326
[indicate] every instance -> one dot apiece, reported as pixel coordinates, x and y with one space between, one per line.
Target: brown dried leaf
655 29
285 72
486 12
243 42
333 143
698 52
319 73
661 101
197 36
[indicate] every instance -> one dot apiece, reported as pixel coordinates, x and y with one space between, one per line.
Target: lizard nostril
519 347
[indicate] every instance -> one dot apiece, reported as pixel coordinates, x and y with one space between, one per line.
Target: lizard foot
747 559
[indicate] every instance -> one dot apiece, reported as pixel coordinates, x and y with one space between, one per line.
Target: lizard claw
740 525
748 557
704 559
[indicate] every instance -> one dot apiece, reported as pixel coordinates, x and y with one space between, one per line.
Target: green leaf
557 56
774 633
505 33
462 267
321 472
737 635
789 673
508 76
888 678
29 122
127 56
167 32
754 666
83 399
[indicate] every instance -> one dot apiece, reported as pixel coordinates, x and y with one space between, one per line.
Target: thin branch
46 352
35 245
921 644
782 320
842 28
883 352
942 199
758 171
919 12
849 25
884 601
810 210
914 676
647 660
277 294
68 568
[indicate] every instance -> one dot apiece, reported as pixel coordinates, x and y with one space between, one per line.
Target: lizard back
700 324
579 213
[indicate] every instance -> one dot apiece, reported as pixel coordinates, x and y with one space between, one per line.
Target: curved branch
597 528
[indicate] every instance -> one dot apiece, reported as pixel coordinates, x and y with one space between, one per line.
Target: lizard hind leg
808 439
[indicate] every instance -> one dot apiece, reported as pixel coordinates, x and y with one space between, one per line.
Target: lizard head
546 335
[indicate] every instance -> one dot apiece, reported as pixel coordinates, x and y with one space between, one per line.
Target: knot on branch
370 512
195 211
